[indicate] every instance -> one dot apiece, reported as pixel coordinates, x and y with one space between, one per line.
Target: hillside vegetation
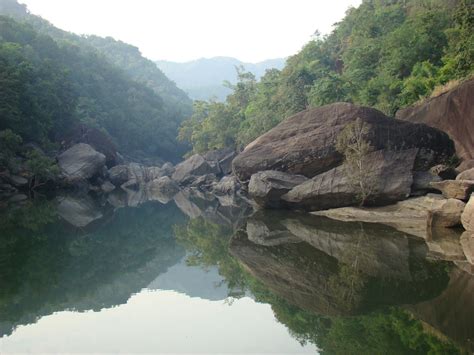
51 80
385 54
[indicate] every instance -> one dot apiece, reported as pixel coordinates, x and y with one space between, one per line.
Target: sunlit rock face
453 113
81 162
334 268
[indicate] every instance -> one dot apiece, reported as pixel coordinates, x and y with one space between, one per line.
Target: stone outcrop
196 165
467 217
415 216
305 143
223 157
466 175
459 189
388 178
81 162
135 174
266 187
97 139
451 112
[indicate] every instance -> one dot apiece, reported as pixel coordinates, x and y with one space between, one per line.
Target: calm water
201 276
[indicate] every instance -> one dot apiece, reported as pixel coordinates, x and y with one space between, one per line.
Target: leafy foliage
385 54
51 80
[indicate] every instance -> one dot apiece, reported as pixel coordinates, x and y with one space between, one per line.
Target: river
84 277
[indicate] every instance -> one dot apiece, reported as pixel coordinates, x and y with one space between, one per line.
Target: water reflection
342 287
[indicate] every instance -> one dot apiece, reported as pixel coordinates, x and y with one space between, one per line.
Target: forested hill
203 78
385 54
52 79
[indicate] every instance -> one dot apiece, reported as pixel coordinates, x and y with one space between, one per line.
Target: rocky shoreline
413 182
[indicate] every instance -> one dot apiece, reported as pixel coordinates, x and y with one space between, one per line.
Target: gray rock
193 166
266 187
107 187
162 189
389 179
118 175
18 181
421 182
81 162
78 211
228 185
167 169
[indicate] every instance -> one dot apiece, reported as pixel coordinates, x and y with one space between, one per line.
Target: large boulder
305 143
467 217
451 112
266 187
81 162
196 165
97 139
388 179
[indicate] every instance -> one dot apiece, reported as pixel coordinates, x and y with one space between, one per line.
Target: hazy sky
181 30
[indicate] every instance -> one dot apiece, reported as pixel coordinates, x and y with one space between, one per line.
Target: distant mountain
202 78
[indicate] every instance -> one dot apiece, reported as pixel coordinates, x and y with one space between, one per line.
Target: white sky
182 30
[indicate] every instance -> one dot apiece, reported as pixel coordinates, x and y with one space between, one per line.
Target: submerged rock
305 143
466 175
81 162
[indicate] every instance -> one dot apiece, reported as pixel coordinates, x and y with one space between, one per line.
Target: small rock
107 187
443 171
195 165
163 189
18 181
459 189
167 169
466 175
118 175
266 187
17 198
227 185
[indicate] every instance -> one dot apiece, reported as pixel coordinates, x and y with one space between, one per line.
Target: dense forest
386 54
51 80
